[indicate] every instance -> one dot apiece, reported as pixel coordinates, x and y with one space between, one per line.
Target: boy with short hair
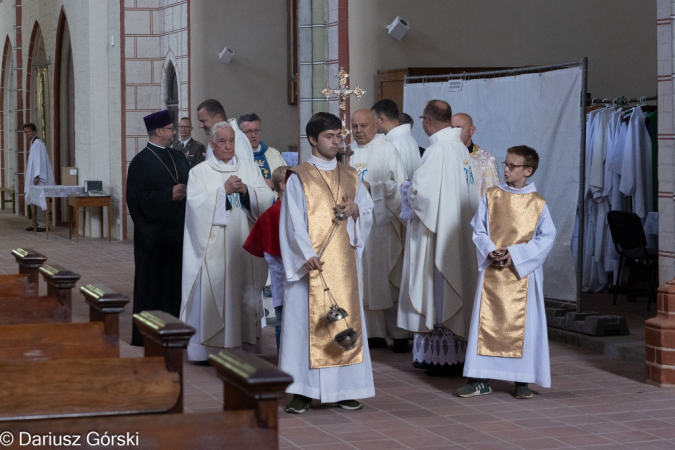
513 233
263 242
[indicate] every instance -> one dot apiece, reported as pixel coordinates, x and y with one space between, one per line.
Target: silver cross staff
343 93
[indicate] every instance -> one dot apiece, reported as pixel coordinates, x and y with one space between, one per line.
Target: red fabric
264 236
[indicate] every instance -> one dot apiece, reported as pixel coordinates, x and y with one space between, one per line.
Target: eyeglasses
253 132
169 127
512 166
184 127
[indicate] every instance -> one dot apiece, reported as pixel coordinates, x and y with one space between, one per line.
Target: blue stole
235 200
261 161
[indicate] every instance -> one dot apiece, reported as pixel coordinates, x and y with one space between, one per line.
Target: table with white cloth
44 194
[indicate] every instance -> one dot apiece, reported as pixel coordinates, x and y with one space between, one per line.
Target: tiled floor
595 401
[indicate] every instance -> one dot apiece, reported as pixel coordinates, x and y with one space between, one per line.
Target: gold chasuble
323 189
513 220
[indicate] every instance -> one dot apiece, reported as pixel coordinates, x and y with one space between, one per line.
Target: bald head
437 115
363 126
465 122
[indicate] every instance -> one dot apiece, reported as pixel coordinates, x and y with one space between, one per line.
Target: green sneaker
299 404
523 391
350 405
474 387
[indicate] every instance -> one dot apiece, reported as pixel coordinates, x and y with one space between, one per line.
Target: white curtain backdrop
540 110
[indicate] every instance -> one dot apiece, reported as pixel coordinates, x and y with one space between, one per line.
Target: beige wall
255 79
618 36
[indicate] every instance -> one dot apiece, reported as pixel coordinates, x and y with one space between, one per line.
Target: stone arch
170 87
7 126
64 98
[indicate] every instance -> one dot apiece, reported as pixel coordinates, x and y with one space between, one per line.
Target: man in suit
193 150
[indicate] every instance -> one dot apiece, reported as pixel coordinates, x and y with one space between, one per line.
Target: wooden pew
56 306
57 388
249 419
98 338
27 281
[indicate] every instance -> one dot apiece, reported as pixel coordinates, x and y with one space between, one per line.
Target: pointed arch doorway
64 107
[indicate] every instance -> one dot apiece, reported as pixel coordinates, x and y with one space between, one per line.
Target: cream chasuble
221 281
406 145
379 164
444 199
485 171
504 294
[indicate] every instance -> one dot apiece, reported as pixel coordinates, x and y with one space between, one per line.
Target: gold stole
513 220
339 270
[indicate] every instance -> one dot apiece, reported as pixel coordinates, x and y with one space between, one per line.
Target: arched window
172 94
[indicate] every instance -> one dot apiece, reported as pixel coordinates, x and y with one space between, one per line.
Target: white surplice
221 281
38 166
330 384
406 145
378 163
242 146
438 263
527 258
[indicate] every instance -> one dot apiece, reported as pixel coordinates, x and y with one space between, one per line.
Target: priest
156 202
380 169
221 281
38 172
387 117
437 290
484 165
326 214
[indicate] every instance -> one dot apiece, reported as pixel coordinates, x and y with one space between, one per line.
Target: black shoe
299 404
377 343
400 345
29 229
421 365
41 230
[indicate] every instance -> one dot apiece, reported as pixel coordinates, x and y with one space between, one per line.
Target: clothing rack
621 101
491 73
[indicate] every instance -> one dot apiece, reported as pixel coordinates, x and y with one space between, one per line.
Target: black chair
630 242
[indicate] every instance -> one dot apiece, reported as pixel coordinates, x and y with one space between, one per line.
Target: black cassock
158 230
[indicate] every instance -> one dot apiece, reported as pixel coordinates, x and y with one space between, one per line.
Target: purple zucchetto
157 119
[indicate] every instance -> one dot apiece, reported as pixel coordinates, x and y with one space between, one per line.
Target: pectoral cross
343 94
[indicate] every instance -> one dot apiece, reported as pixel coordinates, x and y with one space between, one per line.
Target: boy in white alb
513 233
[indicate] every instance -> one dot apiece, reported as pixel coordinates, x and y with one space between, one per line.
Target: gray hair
219 126
253 117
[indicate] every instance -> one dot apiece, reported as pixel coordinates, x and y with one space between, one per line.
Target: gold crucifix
343 93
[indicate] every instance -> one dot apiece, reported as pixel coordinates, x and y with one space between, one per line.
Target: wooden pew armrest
105 305
249 382
29 262
166 336
60 282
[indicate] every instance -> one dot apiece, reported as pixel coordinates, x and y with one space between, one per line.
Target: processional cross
343 94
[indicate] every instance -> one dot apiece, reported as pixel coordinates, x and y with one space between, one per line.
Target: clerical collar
527 189
471 148
322 164
150 144
446 134
376 139
400 130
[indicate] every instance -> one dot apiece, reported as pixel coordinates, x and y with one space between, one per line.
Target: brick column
660 339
